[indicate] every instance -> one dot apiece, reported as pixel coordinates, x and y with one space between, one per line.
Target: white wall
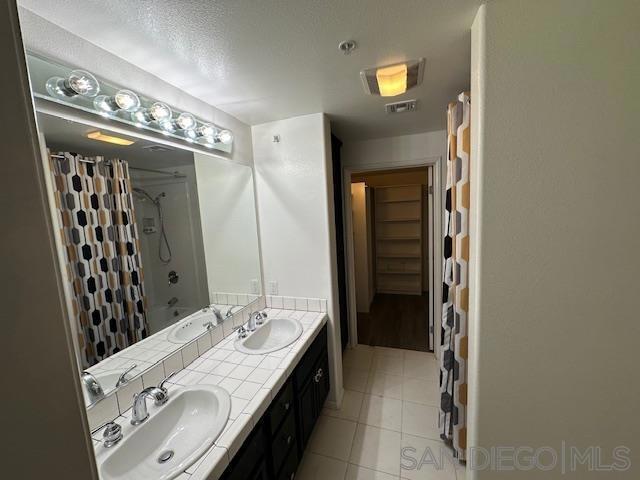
555 228
361 244
48 39
396 151
41 390
229 229
295 198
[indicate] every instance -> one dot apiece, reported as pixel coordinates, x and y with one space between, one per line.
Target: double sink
179 432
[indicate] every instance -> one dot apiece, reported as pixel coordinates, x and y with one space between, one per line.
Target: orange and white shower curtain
455 288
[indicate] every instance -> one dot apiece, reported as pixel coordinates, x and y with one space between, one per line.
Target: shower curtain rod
150 170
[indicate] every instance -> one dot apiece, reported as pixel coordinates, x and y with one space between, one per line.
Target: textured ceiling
268 60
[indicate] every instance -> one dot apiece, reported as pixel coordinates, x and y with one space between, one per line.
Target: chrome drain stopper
165 456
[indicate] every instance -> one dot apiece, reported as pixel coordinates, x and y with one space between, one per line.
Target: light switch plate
273 288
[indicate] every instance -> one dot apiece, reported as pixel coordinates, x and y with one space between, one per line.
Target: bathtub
163 316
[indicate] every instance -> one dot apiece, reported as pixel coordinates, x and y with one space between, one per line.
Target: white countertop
251 380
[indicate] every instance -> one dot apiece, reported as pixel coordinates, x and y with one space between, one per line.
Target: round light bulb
206 130
160 111
190 134
83 83
225 136
105 104
141 116
167 125
186 121
127 100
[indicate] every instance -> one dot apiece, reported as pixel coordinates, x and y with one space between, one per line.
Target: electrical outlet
273 288
255 287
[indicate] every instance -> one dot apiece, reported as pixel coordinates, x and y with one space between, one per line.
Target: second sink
275 334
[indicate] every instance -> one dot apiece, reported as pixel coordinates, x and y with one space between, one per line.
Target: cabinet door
260 472
307 411
321 380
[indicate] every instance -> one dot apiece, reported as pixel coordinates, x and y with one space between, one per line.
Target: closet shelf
399 201
397 272
398 238
399 220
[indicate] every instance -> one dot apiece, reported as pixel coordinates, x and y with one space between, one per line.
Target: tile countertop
251 380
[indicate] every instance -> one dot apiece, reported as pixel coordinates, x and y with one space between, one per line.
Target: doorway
390 229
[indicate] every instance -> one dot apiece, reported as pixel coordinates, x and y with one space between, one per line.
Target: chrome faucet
208 325
229 312
217 313
255 320
122 379
160 396
93 387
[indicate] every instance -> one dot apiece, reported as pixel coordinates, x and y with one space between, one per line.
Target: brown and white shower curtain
455 288
100 237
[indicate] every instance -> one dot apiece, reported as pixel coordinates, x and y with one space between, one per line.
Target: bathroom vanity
275 445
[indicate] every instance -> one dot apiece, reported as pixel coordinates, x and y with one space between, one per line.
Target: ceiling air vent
158 148
400 107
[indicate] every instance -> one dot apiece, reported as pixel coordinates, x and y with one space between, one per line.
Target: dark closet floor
399 321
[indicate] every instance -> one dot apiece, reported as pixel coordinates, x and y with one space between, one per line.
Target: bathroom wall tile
236 434
216 335
232 299
189 353
204 343
269 301
173 363
243 299
288 303
103 411
222 298
227 327
153 376
313 304
126 392
301 304
323 305
276 302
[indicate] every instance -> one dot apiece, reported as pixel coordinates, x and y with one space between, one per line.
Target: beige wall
45 434
556 227
361 244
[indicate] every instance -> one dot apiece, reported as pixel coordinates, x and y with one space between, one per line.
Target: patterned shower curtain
100 236
455 288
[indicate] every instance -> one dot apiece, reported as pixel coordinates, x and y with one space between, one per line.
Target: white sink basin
186 425
191 327
273 335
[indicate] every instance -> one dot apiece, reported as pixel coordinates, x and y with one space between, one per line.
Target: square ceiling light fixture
392 80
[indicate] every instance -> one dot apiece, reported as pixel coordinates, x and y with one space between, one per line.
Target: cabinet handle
318 375
286 406
292 476
289 438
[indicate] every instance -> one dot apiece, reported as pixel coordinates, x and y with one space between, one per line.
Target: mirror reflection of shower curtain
102 248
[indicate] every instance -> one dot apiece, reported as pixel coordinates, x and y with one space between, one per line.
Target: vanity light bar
82 84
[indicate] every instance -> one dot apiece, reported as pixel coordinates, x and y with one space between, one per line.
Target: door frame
435 282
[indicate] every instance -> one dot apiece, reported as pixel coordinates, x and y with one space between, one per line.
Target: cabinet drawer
306 365
281 406
284 442
290 466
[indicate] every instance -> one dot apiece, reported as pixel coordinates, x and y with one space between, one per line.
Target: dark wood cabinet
275 446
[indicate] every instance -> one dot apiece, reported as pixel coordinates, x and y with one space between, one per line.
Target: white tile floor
390 402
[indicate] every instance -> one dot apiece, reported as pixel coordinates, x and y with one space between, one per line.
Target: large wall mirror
158 243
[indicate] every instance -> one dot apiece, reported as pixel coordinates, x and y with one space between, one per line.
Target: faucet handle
112 434
260 316
161 384
242 332
122 379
